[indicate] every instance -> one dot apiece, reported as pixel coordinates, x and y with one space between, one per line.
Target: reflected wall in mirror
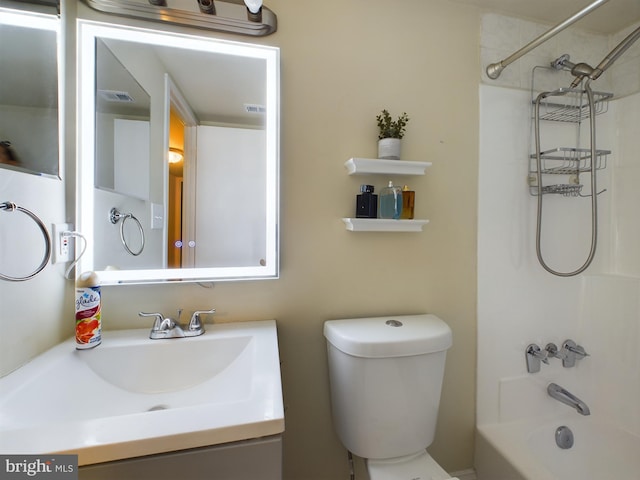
123 111
29 138
179 133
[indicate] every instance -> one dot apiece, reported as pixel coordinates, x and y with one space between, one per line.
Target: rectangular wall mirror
178 156
29 117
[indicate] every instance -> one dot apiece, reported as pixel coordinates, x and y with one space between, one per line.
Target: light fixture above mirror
243 17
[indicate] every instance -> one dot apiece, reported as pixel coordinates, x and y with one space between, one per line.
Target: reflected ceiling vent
115 96
254 108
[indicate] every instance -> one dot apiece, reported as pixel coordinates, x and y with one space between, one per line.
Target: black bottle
366 203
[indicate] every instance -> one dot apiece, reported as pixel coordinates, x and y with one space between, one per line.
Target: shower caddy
567 105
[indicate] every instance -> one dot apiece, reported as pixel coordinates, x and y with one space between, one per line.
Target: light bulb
175 155
254 6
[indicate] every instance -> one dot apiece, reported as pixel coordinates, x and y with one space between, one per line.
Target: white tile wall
626 186
519 303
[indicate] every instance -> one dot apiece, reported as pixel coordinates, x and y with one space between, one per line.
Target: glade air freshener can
88 311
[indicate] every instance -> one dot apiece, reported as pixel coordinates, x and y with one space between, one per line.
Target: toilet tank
386 378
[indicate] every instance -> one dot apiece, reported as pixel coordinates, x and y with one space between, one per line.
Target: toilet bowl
386 378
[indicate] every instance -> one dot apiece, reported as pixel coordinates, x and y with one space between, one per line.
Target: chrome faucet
169 328
569 354
556 391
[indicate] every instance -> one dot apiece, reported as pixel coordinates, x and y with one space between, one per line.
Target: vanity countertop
132 396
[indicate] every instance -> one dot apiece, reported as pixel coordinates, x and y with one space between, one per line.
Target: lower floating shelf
383 225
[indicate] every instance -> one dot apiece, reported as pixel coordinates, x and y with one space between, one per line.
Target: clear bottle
408 202
391 201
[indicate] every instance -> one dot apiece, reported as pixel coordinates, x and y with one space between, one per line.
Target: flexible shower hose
594 195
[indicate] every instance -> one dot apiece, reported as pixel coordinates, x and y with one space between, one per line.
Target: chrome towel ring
12 207
115 216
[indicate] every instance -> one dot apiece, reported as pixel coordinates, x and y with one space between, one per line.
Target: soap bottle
391 201
408 201
88 311
366 202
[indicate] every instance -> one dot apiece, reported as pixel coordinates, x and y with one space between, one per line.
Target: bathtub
526 450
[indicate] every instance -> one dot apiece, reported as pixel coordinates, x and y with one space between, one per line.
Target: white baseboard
468 474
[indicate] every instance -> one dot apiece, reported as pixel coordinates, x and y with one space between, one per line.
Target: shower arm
494 70
607 61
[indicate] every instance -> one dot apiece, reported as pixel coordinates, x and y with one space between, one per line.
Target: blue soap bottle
391 201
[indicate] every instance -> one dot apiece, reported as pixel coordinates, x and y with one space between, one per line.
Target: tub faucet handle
576 349
572 352
534 356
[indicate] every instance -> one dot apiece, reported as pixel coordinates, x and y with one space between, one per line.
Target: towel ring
11 207
115 216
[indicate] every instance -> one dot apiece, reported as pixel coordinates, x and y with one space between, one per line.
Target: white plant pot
389 148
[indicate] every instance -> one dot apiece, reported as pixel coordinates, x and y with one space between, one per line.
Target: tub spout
556 391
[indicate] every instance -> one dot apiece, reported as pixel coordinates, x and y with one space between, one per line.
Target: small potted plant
391 131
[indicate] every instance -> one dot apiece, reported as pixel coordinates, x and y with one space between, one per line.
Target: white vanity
213 400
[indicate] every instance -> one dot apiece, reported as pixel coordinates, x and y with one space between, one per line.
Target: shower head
580 71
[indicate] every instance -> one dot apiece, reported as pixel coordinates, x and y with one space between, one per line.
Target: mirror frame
88 32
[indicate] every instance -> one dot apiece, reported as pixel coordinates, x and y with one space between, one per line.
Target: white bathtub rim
499 436
503 436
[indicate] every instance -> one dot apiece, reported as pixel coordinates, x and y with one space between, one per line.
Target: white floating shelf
364 166
383 225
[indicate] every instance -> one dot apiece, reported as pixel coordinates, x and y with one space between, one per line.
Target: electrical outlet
62 246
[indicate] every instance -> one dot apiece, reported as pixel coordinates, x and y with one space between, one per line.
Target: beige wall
341 63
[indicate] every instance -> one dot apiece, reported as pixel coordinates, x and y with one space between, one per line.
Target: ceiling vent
116 96
254 108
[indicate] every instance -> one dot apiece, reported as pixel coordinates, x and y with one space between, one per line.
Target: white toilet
386 377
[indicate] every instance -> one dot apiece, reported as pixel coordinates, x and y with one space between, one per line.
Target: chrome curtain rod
494 70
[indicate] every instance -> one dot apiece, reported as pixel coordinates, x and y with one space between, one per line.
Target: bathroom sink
139 365
133 396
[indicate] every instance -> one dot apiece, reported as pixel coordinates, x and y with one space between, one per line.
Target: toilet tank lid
392 336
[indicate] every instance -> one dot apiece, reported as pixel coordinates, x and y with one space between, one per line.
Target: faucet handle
573 352
162 327
535 351
195 324
534 356
159 318
576 349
